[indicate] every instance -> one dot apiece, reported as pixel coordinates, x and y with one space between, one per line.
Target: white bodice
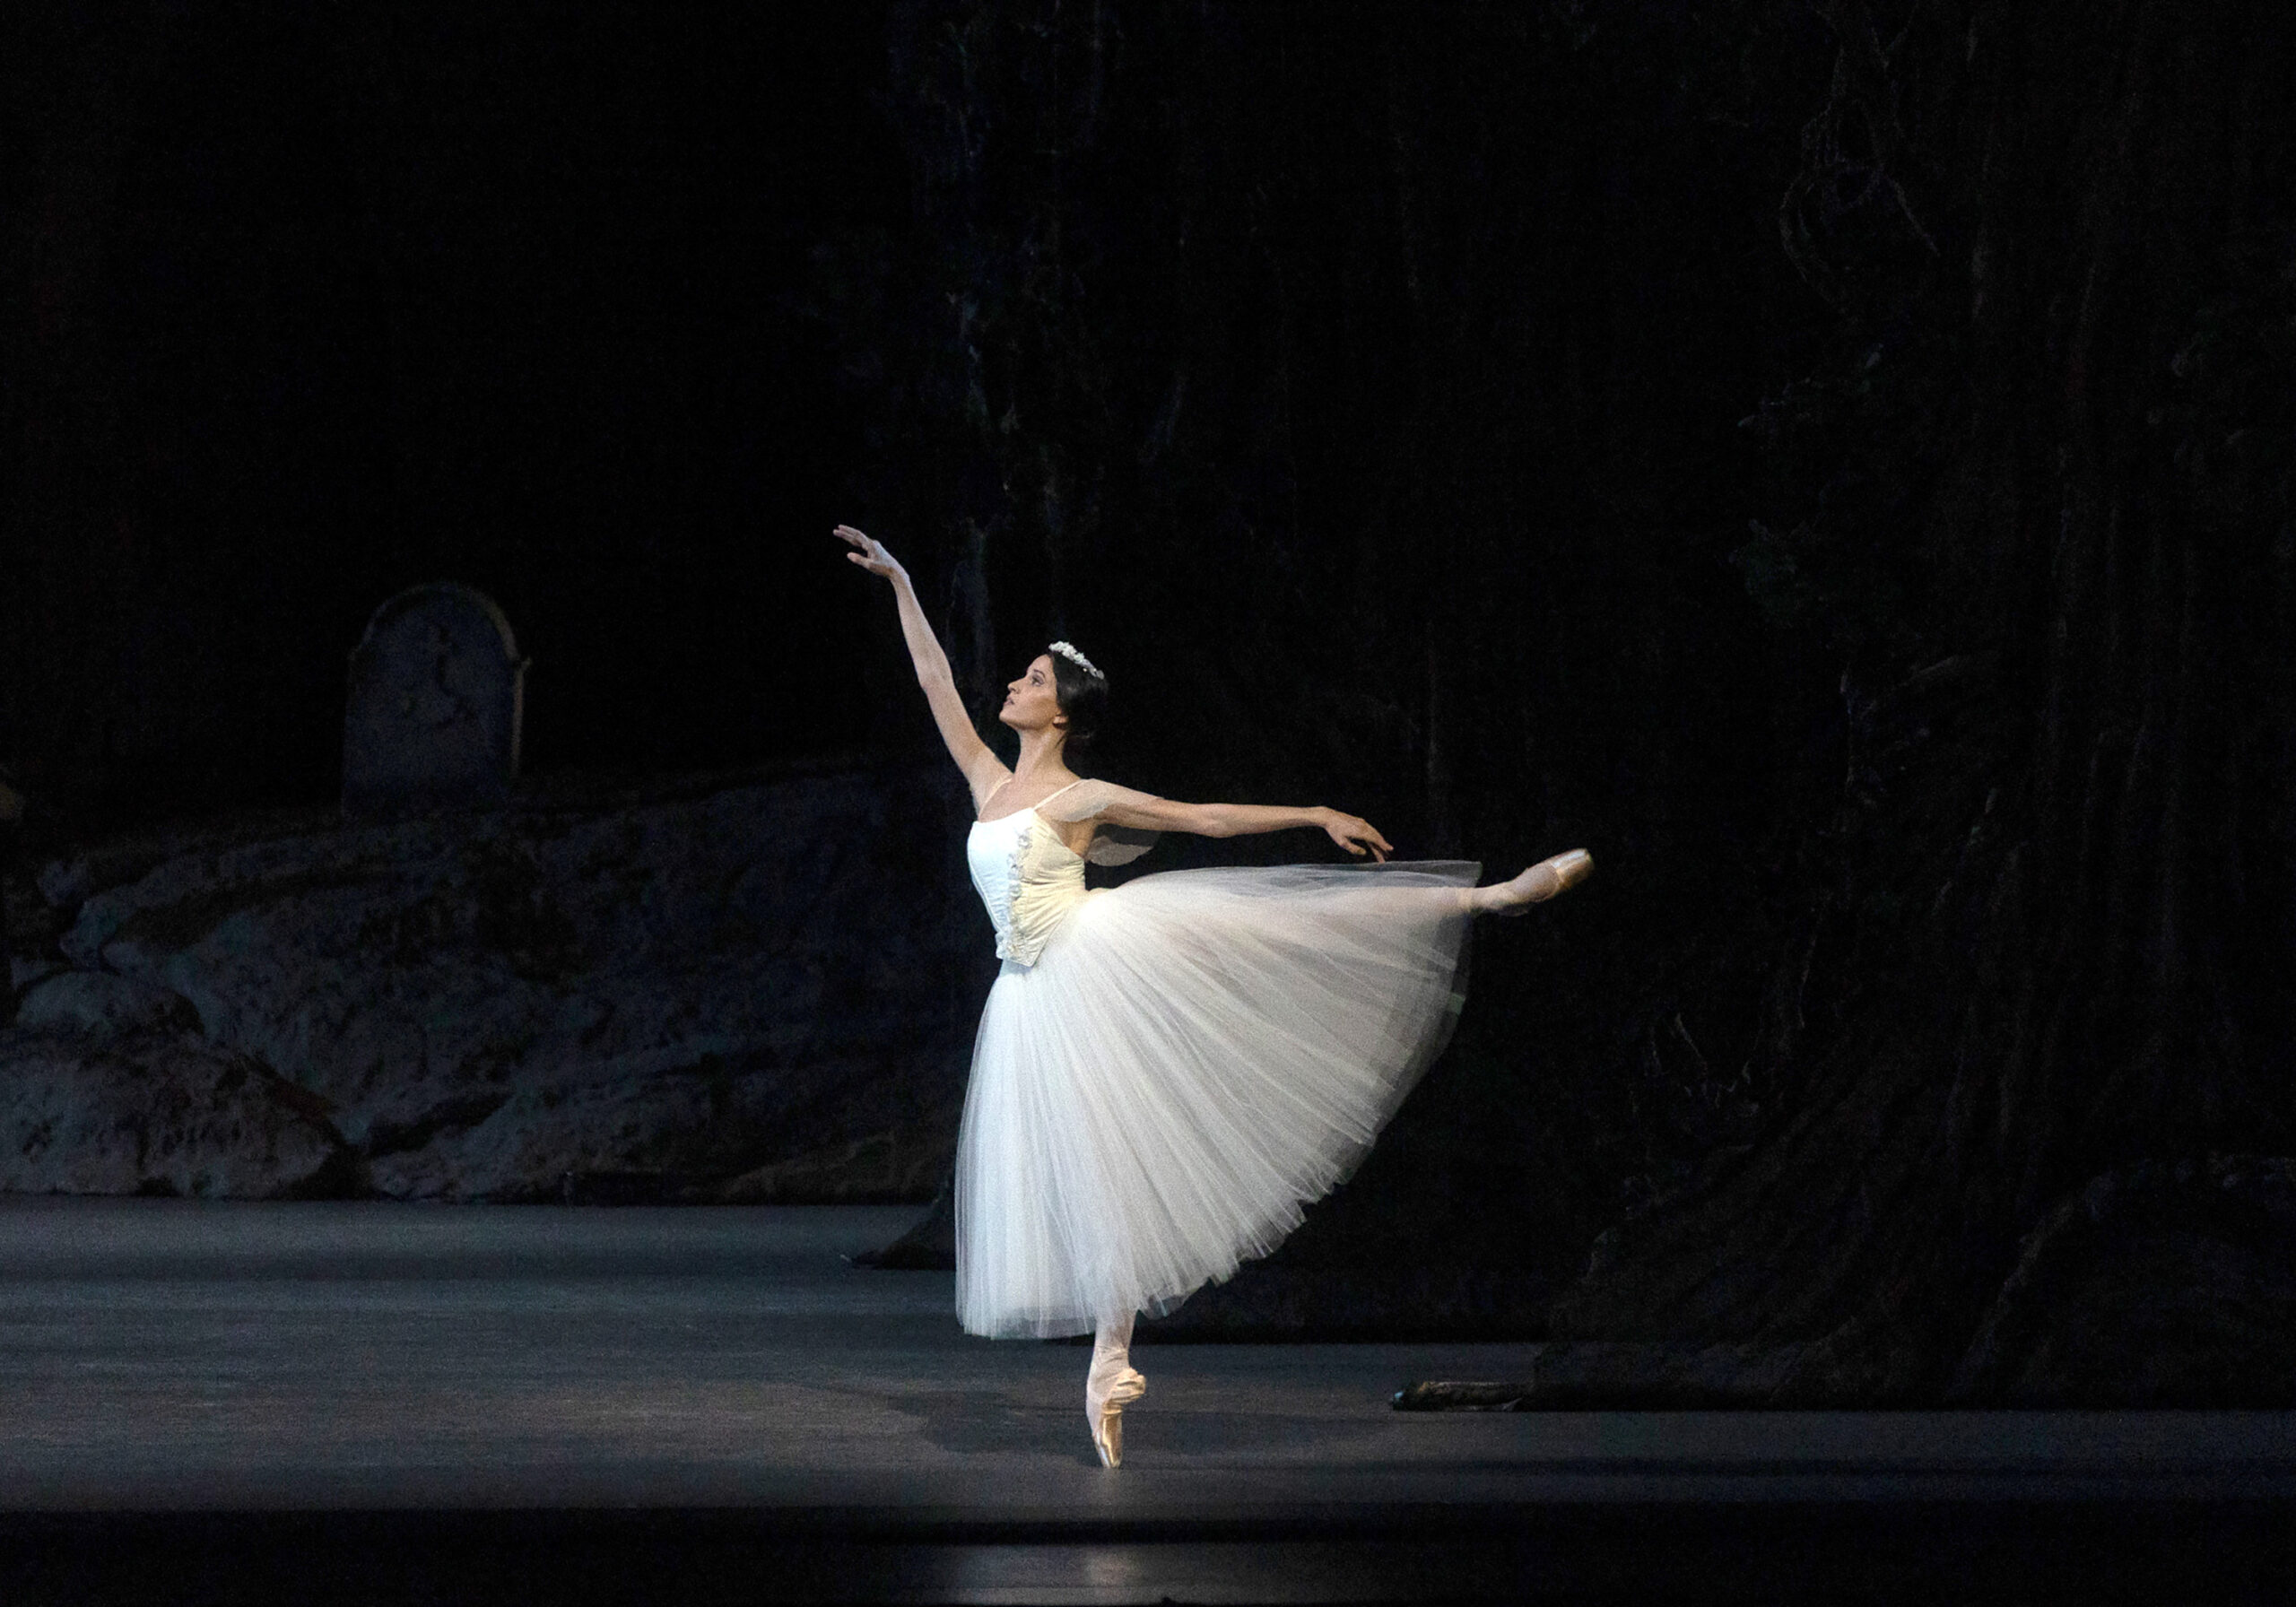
1029 879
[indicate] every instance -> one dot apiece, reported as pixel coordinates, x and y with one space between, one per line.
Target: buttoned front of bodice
1029 879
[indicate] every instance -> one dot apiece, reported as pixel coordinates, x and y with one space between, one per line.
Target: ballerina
1166 1073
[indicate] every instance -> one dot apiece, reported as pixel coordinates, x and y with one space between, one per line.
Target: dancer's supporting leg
1543 880
1110 1386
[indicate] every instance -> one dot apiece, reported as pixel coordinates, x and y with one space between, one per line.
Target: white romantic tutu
1191 1058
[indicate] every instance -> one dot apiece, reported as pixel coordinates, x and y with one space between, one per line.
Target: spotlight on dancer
1168 1072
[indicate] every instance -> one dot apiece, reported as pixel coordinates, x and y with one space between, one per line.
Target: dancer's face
1031 702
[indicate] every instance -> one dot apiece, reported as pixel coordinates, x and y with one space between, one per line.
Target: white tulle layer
1194 1056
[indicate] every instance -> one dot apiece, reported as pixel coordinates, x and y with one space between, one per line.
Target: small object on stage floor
1438 1396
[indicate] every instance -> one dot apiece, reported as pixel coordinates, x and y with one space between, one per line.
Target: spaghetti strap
980 819
1048 797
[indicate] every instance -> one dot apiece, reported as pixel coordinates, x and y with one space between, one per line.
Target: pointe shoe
1535 885
1107 1418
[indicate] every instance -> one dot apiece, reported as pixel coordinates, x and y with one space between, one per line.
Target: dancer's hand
1358 835
871 554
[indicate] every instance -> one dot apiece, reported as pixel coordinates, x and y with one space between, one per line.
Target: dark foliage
2050 938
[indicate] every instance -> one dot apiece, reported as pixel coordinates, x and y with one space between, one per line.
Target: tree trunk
2051 889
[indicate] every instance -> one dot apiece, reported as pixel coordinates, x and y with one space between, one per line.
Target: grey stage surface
168 1363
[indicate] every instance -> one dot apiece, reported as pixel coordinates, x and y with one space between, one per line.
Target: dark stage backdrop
311 304
1832 459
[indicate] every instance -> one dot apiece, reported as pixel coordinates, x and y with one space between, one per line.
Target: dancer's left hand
1358 835
871 554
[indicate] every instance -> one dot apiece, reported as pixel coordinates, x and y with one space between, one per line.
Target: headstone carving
436 698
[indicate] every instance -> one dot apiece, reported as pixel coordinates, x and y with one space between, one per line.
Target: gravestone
436 697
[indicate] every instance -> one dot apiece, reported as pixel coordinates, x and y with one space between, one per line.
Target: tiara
1078 659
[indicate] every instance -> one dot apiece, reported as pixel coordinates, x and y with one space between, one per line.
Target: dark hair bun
1082 696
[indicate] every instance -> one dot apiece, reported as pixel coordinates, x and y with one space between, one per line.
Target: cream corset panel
1029 879
1048 881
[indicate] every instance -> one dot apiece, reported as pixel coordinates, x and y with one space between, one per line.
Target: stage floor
507 1381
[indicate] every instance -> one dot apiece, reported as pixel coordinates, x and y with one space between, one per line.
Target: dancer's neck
1042 757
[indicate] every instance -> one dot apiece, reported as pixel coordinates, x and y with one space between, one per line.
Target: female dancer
1167 1071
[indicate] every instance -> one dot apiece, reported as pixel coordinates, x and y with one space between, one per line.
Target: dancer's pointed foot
1542 882
1105 1413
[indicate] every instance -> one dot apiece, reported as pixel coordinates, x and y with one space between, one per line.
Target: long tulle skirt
1193 1057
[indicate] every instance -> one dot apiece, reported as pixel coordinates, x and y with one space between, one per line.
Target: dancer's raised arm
983 770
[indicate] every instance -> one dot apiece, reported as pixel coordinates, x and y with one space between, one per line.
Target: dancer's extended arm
982 768
1358 837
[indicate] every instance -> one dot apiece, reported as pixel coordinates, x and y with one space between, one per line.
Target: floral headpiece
1079 660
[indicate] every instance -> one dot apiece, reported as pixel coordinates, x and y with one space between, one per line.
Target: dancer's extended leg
1110 1386
1543 880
